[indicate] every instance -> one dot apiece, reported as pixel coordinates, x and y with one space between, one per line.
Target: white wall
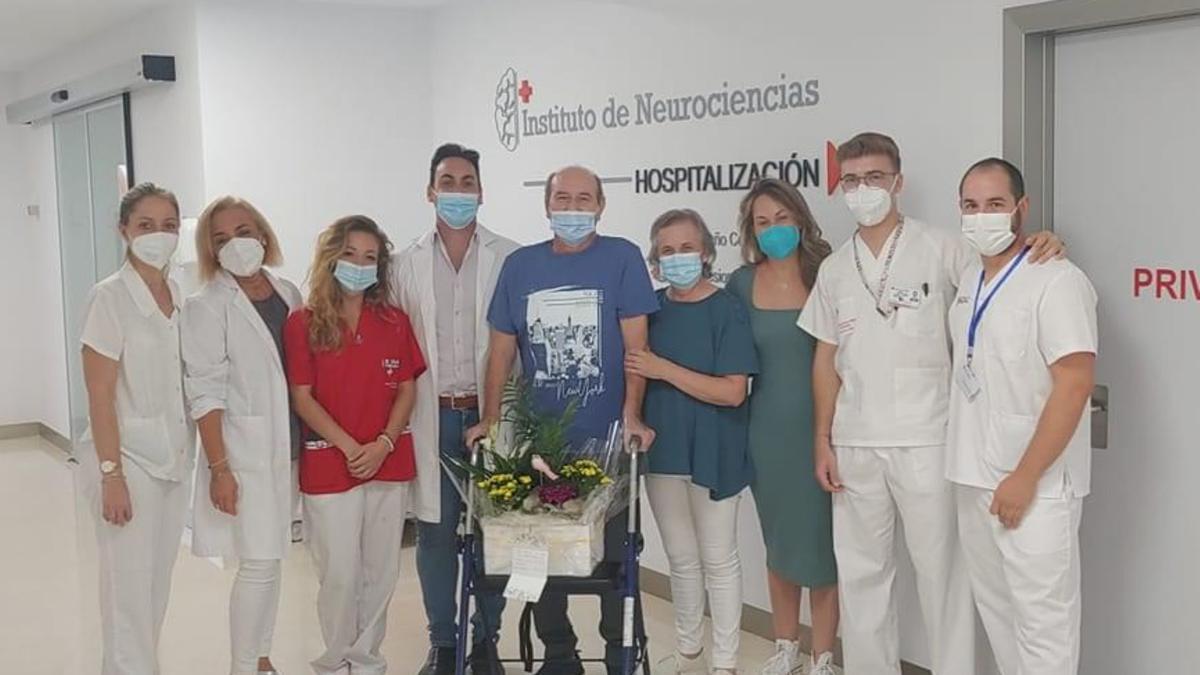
21 393
313 112
927 73
166 150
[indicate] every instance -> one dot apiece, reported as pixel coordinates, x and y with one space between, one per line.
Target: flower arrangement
538 471
534 488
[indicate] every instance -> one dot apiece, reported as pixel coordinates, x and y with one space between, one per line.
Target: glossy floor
49 621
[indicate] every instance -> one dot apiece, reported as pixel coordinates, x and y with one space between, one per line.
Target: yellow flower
605 481
526 480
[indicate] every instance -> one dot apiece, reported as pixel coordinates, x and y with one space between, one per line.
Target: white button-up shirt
895 370
454 291
1041 314
124 323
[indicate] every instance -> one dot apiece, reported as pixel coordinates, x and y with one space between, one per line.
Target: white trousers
355 541
1026 581
700 537
253 606
136 561
882 484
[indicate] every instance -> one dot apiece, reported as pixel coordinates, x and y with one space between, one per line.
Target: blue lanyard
978 310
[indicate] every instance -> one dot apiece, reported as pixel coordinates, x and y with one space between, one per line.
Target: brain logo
506 110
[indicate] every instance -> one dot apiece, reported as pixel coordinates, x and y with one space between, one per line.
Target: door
91 169
1126 178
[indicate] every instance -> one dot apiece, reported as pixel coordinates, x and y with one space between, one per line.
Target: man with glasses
881 385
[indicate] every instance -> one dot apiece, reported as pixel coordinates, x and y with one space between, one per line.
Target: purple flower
557 494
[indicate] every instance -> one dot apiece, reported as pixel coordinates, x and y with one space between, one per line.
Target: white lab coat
232 363
413 284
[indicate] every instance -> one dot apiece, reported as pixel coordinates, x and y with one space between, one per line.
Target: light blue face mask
355 278
778 241
573 227
457 209
681 270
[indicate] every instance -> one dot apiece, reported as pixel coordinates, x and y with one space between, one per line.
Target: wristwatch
109 467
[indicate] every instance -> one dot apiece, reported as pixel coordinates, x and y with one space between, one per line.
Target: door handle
1099 407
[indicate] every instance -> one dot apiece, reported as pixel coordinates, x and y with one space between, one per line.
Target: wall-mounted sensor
60 96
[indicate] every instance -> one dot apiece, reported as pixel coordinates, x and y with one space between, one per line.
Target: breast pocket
391 367
924 321
1010 333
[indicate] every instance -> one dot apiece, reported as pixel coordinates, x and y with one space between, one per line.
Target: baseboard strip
754 620
35 429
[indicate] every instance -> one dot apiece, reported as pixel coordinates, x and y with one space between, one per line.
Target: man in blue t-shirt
572 307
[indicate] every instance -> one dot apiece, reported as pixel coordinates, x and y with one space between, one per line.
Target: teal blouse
694 438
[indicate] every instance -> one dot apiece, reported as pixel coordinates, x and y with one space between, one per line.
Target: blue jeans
437 552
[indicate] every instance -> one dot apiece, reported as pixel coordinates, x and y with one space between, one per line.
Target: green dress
795 513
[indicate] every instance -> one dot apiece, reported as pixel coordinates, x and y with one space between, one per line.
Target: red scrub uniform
355 527
357 386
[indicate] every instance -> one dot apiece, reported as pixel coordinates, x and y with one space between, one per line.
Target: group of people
914 375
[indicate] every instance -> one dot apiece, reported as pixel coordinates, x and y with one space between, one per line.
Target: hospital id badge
904 297
968 382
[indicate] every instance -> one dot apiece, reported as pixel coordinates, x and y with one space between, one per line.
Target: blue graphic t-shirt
566 311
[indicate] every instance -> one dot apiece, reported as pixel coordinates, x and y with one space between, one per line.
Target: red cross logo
526 91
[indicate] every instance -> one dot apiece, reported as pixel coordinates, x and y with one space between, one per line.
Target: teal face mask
355 278
778 241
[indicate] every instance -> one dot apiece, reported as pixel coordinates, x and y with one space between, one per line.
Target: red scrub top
357 385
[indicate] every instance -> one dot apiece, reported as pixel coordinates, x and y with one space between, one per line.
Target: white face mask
870 205
990 233
242 256
155 249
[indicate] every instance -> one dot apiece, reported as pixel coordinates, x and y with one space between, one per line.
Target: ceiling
31 30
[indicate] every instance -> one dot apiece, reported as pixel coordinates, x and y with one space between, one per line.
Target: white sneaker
683 664
786 660
823 665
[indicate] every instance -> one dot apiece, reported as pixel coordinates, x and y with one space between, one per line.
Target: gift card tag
904 297
968 382
530 567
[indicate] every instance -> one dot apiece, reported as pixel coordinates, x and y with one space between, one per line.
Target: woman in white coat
137 451
237 392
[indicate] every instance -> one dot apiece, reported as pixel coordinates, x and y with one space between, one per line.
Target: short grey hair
708 245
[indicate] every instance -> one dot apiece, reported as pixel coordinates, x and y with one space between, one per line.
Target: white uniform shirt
1041 314
455 290
124 323
895 370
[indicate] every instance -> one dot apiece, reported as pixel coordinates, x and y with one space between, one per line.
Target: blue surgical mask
681 270
573 227
457 209
778 241
355 278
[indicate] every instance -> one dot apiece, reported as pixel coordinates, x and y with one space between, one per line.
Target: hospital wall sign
1166 283
517 117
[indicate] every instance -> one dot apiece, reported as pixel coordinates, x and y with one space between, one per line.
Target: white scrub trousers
253 606
1026 581
136 561
355 541
700 537
881 484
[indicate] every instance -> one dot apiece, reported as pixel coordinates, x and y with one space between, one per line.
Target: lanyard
887 267
978 310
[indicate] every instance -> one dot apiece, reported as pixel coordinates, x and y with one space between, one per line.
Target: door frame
117 100
1029 34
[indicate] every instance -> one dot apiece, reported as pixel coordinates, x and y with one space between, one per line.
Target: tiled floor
49 620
